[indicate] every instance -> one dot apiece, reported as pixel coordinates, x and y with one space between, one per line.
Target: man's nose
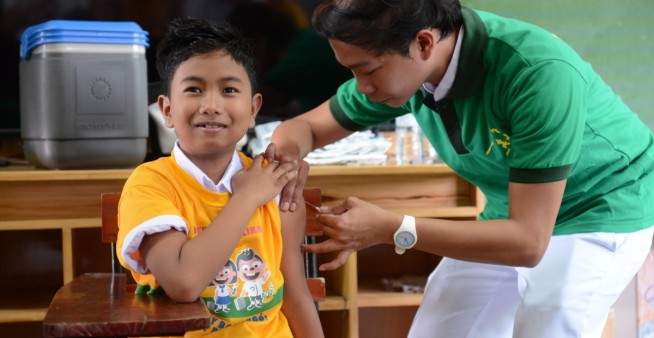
365 87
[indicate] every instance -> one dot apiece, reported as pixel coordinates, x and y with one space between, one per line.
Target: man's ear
426 40
164 106
257 101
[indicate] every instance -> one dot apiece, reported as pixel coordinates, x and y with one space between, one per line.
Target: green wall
616 37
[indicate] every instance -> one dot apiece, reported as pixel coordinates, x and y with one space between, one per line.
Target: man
565 165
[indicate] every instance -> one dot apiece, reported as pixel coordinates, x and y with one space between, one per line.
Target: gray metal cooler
83 94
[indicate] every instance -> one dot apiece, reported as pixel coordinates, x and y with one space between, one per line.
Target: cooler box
83 94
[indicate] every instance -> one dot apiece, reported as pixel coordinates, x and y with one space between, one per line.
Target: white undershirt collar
442 89
225 183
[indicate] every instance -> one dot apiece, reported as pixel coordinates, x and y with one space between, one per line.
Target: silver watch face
405 239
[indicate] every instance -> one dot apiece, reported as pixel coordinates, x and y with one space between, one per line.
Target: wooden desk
123 313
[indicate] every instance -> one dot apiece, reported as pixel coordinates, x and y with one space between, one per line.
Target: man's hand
293 190
351 226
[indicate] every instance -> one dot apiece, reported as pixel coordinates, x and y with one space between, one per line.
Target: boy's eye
193 90
230 90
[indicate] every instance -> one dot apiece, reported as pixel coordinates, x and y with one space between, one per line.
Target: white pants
569 294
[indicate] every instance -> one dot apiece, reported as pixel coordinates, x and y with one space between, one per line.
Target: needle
312 206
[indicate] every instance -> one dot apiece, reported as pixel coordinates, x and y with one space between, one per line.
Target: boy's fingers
289 176
289 166
257 161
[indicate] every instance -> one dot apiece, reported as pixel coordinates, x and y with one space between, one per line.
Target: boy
183 218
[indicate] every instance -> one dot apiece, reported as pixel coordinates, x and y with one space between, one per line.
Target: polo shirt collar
470 69
225 183
443 88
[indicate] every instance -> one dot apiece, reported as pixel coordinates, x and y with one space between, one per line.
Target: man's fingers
322 247
287 194
337 262
339 209
328 225
329 246
293 190
286 157
300 181
271 152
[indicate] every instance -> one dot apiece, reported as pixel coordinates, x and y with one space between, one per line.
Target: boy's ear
257 101
164 106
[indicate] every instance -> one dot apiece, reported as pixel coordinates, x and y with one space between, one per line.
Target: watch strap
408 224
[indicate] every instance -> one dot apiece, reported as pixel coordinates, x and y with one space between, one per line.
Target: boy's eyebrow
232 78
199 79
190 78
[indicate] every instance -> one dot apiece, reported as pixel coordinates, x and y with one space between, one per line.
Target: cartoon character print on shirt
253 273
501 140
250 273
226 287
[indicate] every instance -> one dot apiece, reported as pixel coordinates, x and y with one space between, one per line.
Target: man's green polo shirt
525 108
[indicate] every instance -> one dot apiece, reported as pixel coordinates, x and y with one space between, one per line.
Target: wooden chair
316 284
102 304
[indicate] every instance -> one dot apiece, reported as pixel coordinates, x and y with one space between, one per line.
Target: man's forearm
293 137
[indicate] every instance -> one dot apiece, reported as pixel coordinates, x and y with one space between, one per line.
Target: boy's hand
292 192
262 182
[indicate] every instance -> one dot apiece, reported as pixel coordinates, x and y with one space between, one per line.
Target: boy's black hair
189 37
385 25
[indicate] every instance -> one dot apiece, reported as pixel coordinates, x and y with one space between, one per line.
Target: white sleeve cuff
152 226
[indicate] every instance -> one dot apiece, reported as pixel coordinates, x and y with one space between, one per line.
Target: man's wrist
406 236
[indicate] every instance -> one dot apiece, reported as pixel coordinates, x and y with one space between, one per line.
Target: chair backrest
109 214
110 217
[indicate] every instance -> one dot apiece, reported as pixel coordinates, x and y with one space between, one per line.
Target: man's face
392 78
389 78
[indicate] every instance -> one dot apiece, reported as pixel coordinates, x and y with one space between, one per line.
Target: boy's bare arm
298 304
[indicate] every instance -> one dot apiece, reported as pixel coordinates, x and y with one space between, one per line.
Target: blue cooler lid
71 31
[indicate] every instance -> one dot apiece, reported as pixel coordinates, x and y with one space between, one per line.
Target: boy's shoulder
161 163
163 166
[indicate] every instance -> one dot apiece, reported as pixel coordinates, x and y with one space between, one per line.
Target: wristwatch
405 237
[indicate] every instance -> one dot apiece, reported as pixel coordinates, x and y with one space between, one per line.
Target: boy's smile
210 125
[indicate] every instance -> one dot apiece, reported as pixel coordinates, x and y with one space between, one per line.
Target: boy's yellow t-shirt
245 297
